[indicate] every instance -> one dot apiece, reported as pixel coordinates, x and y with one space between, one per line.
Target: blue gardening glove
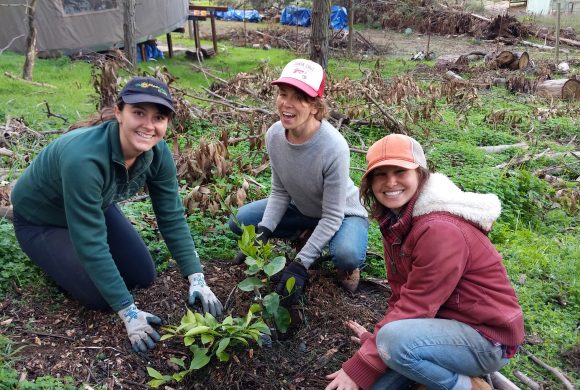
138 324
300 273
198 289
262 235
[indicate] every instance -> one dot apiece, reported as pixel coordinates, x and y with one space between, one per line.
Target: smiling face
393 186
141 127
296 113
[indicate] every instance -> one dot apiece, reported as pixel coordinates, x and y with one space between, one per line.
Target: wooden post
558 34
129 31
169 45
213 31
30 41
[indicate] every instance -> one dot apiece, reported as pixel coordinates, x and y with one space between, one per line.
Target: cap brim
296 84
396 163
145 98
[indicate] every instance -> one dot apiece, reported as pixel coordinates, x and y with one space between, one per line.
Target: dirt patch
61 338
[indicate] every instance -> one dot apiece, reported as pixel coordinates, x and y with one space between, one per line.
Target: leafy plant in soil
260 262
207 337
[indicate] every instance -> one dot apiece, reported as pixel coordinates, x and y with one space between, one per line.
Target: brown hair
367 198
322 110
108 113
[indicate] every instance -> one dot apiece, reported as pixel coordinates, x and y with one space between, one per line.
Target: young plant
207 337
260 261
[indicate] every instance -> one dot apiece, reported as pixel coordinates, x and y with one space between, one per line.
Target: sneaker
348 280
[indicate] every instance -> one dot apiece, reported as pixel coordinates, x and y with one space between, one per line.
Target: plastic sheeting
85 29
296 16
239 15
300 16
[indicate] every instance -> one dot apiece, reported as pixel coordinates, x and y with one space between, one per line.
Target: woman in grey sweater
311 187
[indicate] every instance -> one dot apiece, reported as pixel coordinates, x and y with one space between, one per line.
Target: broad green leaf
177 361
197 330
248 284
228 321
255 308
200 358
290 284
276 265
210 320
282 319
200 319
207 338
262 327
223 344
223 356
167 336
155 383
178 376
242 340
271 302
153 373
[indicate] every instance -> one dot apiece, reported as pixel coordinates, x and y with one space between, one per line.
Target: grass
536 236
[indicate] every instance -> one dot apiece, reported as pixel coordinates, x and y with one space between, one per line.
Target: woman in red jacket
453 315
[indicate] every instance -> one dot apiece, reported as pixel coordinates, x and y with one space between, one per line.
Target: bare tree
350 25
129 31
319 36
30 42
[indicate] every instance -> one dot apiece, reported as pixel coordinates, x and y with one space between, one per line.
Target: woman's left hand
357 329
340 381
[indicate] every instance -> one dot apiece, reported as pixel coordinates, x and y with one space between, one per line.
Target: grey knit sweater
314 176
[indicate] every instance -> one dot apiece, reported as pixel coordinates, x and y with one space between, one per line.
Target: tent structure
71 26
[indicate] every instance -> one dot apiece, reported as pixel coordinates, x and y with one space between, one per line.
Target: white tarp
86 25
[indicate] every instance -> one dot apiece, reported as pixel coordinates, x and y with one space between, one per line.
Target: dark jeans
51 248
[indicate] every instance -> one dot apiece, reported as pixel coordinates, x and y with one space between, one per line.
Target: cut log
207 51
500 382
521 61
567 89
452 62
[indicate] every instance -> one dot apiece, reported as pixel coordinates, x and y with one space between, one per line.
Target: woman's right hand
357 329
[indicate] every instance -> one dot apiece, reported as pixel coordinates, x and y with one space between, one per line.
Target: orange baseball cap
395 149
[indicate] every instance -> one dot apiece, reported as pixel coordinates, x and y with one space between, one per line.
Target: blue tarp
338 18
239 15
295 16
300 16
151 51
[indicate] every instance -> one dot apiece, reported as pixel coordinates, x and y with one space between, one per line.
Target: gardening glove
138 324
198 289
300 273
262 235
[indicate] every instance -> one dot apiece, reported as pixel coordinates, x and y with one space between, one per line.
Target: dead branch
6 152
38 333
527 380
10 43
542 47
501 148
554 371
49 113
500 382
545 153
14 77
392 122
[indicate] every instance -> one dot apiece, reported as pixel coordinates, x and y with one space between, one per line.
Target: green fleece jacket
75 178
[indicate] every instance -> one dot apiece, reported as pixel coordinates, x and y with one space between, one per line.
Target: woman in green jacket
67 220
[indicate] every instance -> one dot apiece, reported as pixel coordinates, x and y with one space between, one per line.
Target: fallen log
452 62
542 47
527 381
567 41
521 61
502 148
567 89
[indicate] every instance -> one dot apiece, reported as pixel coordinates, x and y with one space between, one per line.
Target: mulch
61 338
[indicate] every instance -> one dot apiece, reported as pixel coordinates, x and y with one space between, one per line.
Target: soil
60 338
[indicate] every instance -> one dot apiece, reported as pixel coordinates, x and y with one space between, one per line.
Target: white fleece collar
441 194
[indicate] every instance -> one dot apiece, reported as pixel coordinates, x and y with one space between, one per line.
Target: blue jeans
51 248
348 246
438 353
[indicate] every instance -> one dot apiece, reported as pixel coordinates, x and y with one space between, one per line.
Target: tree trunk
350 25
129 31
560 89
30 42
507 59
319 36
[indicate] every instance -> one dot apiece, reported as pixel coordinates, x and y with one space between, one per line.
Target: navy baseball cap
147 90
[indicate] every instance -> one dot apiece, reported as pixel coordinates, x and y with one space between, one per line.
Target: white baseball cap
306 75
